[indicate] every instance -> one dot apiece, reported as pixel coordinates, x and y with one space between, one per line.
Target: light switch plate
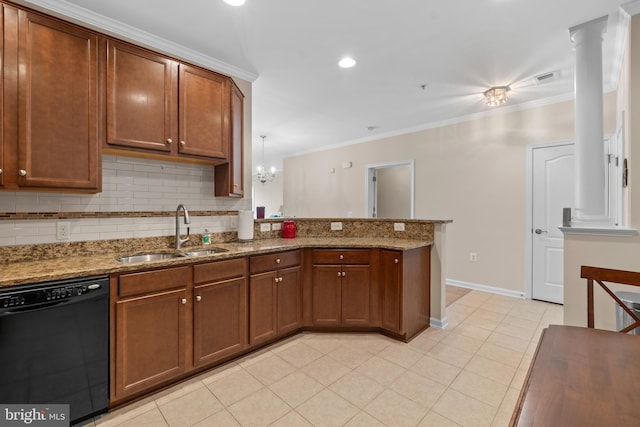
336 226
265 227
398 226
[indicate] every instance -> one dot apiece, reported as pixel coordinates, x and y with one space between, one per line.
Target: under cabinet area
50 106
341 287
275 300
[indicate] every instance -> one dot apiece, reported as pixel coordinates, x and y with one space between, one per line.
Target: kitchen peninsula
214 307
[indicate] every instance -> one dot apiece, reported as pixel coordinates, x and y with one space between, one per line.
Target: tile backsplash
128 185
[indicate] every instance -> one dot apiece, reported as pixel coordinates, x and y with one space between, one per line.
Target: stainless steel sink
150 257
203 252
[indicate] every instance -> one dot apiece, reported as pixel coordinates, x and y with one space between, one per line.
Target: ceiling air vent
546 77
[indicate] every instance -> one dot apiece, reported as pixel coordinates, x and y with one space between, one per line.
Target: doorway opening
390 190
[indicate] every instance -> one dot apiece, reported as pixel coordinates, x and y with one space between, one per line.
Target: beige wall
472 172
610 252
394 192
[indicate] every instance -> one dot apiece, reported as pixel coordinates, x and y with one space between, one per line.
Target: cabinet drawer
275 261
218 270
341 256
153 281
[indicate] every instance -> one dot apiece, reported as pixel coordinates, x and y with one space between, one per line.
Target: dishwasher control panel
25 297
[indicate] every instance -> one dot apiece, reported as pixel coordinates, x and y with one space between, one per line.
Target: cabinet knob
344 274
169 141
0 171
277 260
198 298
22 172
341 256
234 185
396 260
278 279
184 301
339 274
183 143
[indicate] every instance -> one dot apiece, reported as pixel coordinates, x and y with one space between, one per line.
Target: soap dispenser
206 237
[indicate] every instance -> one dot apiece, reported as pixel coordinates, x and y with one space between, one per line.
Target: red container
288 230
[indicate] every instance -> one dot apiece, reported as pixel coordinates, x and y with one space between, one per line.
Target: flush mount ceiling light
496 95
347 62
234 2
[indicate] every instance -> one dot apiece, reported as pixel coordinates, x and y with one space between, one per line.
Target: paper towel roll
245 225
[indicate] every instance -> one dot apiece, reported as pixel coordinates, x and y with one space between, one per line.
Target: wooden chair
600 275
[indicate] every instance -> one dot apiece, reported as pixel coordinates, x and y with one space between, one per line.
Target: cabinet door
150 341
220 320
204 113
326 294
229 177
141 98
263 301
391 284
289 299
57 91
355 295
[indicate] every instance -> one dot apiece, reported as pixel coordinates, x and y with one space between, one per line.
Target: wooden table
582 377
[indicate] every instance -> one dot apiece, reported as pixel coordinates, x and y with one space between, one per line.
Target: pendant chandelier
262 174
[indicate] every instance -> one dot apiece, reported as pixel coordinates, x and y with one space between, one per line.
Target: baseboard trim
439 323
485 288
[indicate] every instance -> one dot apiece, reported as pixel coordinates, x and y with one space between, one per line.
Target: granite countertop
101 264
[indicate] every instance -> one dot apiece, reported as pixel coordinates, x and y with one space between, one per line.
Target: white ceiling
303 102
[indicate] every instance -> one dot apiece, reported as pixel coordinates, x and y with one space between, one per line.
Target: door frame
370 170
528 252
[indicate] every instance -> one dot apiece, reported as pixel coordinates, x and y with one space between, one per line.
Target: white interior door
553 190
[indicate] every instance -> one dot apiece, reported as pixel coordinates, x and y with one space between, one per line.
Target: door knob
538 231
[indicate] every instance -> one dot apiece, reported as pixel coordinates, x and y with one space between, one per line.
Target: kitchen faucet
179 240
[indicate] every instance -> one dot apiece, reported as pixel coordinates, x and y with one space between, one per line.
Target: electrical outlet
63 230
336 226
473 257
276 226
398 226
265 227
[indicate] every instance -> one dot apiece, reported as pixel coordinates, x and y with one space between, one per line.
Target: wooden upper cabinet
2 129
204 113
141 98
58 143
229 177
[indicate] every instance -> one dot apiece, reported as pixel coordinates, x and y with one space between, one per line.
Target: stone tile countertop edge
96 265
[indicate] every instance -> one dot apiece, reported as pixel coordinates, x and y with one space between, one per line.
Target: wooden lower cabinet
150 340
341 293
275 298
274 304
406 291
219 320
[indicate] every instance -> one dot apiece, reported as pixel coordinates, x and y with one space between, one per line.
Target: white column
590 195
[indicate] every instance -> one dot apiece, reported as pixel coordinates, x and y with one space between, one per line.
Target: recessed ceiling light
235 2
347 62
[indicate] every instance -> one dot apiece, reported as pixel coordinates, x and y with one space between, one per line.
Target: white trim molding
439 323
632 7
600 231
486 288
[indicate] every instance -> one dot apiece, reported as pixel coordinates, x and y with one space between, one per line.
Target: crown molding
119 29
632 7
456 120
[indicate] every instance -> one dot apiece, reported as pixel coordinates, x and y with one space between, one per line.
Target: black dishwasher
54 345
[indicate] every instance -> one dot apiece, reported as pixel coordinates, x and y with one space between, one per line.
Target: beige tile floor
469 374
